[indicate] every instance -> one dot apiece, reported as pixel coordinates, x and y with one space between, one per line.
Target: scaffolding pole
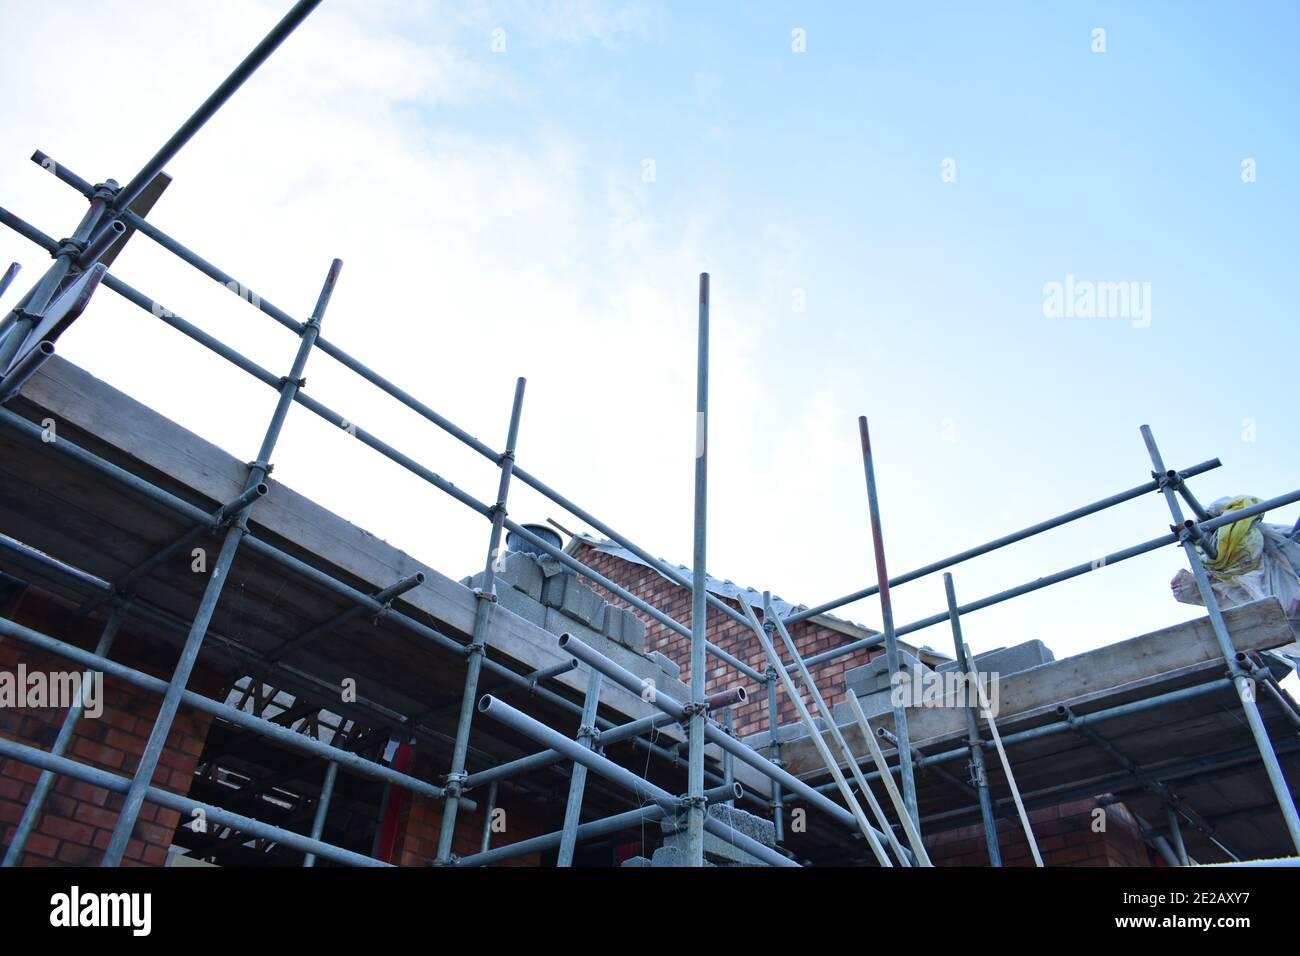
1189 533
171 703
486 597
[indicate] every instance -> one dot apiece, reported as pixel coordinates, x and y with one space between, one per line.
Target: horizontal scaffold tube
281 734
1047 730
644 789
712 733
591 831
545 758
279 315
1205 527
1002 542
185 806
152 494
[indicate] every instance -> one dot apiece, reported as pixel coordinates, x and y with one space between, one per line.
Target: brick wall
733 637
78 818
1065 835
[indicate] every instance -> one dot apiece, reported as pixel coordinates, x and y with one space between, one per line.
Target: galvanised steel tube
214 102
1001 542
152 494
1176 832
109 234
546 758
829 716
1122 782
699 588
171 702
979 772
673 708
1151 783
183 805
283 318
589 831
774 747
36 802
532 677
28 232
279 315
296 682
322 809
1263 677
487 818
486 597
407 583
280 734
9 276
822 750
1245 690
1120 710
642 788
38 299
24 369
264 305
1079 569
578 779
887 623
217 518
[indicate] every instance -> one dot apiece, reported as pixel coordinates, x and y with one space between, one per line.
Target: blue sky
495 218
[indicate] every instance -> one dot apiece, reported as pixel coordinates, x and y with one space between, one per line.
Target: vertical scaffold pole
322 809
699 608
486 595
774 743
979 773
257 471
578 779
887 618
1188 532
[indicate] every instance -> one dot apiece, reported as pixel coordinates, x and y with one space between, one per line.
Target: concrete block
517 602
639 664
755 827
625 627
666 664
516 570
874 675
584 604
553 589
716 849
523 574
1009 660
550 567
634 632
575 599
668 856
637 861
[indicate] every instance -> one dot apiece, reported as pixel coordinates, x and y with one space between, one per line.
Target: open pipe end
564 639
485 702
419 577
262 488
739 791
45 347
1061 711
